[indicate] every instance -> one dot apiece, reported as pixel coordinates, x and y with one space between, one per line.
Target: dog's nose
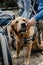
23 25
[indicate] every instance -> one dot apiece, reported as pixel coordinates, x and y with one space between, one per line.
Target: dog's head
19 25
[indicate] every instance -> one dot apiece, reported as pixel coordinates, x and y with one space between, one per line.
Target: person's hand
31 22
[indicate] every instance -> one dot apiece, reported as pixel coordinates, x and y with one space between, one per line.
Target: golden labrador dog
21 32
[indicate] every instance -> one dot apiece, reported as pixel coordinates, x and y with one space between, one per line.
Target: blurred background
8 3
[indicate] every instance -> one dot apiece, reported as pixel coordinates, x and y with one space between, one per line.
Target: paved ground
36 58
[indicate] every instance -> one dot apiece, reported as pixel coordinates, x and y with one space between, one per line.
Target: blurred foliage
8 3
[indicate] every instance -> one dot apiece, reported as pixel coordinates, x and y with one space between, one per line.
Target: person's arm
35 19
39 16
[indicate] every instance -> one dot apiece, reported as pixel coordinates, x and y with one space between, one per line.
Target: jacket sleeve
39 16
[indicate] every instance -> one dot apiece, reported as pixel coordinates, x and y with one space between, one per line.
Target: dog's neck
16 32
19 33
21 36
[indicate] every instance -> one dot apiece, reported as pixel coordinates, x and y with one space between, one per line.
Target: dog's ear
14 25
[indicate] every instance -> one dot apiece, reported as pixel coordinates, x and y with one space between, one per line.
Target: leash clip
26 40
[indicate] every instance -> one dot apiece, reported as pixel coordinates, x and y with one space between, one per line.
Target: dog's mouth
22 30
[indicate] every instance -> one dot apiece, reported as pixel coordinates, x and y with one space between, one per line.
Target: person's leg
4 21
26 8
21 7
20 3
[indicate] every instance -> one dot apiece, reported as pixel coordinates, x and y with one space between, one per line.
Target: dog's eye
16 21
24 20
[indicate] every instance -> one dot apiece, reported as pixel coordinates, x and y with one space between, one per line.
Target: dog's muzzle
23 28
22 31
23 25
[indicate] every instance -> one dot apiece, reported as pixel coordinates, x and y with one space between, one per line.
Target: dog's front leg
17 50
28 53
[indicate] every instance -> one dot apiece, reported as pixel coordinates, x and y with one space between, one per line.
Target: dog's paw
15 56
26 62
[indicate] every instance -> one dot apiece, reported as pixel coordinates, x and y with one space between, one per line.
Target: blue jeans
4 21
20 4
20 1
26 8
